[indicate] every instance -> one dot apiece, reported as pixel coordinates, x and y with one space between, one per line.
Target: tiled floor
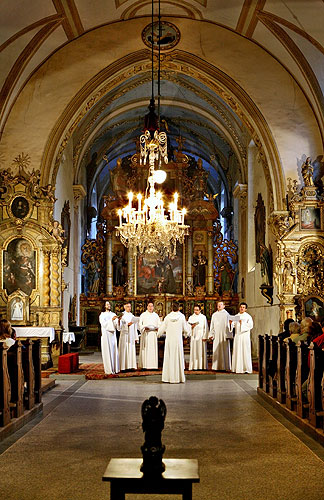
245 450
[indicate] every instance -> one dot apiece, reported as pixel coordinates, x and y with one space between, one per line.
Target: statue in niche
288 277
226 276
259 223
199 263
119 180
93 275
307 171
118 263
200 182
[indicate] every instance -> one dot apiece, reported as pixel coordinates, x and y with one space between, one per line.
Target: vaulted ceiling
291 31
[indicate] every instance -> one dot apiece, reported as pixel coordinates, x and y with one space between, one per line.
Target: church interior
234 92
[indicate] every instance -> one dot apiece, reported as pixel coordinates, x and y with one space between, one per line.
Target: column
210 267
130 272
46 278
55 278
79 193
109 269
189 282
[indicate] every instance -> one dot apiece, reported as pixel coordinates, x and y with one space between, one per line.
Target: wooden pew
16 375
316 406
28 366
273 357
260 362
301 376
290 374
36 349
281 369
5 391
265 362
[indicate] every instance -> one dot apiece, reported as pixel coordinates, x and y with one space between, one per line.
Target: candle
120 216
130 197
139 198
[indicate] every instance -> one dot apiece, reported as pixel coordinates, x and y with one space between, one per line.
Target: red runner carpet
95 371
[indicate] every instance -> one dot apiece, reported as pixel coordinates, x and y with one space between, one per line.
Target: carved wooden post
55 285
265 363
29 374
16 375
316 412
210 267
261 348
281 366
37 370
109 270
301 376
46 278
5 392
290 374
273 358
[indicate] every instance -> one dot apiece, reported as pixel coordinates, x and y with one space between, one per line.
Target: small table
125 477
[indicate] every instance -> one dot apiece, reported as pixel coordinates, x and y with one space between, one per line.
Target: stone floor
246 450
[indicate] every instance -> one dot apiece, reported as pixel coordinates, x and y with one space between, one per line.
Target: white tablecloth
35 331
68 337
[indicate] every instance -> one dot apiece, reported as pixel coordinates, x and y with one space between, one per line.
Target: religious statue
199 263
266 264
93 275
118 263
226 275
153 415
57 231
288 278
307 171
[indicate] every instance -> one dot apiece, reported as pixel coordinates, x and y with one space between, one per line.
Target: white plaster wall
64 192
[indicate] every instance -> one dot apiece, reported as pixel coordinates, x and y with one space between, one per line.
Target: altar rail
20 382
291 378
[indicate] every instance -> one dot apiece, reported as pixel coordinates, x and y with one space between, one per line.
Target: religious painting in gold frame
314 308
19 267
310 218
164 277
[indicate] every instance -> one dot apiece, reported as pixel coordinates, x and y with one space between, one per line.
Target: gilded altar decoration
92 258
299 270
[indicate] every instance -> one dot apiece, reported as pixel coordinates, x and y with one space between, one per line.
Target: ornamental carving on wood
93 260
310 270
225 262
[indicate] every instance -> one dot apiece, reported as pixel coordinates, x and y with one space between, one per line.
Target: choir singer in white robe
199 334
109 322
243 324
128 336
219 332
174 326
149 323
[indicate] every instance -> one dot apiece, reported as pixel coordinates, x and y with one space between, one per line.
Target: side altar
203 271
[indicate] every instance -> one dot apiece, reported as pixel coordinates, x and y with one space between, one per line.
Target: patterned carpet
95 371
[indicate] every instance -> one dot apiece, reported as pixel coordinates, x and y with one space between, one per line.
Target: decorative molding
78 192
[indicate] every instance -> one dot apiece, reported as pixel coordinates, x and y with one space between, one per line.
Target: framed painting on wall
19 264
310 218
165 276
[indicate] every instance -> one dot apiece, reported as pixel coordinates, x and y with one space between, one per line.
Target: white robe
128 336
242 360
109 348
219 331
198 348
148 353
174 325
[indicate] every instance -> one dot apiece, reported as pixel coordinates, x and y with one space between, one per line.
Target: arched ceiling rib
69 19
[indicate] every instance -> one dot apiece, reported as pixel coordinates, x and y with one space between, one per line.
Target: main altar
204 269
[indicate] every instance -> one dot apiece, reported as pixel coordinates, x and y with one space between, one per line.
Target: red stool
65 363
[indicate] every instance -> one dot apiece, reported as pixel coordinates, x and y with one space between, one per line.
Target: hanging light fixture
148 228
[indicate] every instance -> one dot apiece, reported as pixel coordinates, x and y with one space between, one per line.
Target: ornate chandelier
148 228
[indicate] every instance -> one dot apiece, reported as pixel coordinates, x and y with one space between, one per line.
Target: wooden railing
293 376
20 379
